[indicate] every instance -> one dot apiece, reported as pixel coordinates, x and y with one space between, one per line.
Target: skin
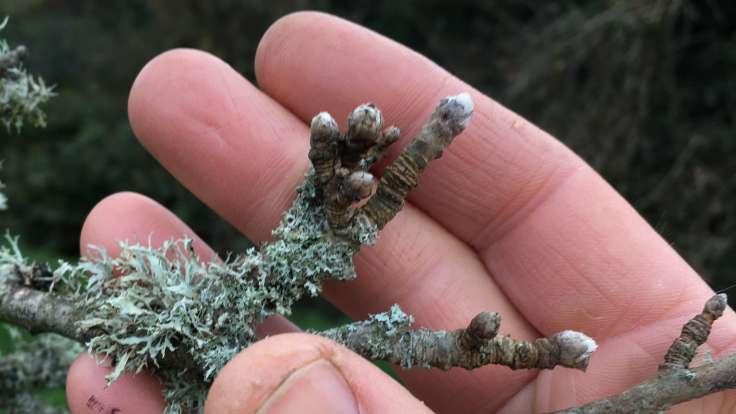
509 220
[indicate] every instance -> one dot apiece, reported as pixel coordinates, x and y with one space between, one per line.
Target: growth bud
364 126
358 186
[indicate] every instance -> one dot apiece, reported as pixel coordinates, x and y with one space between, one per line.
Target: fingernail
316 388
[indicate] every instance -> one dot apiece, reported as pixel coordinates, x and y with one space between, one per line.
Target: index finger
563 245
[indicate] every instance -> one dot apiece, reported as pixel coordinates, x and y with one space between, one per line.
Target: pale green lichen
21 94
10 259
382 331
169 299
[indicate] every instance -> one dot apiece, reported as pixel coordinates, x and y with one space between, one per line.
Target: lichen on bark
21 94
165 310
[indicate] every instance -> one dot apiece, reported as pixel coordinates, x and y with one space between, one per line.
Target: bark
389 337
675 382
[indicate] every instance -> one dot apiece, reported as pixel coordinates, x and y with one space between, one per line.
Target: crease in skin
593 305
325 353
492 232
274 392
228 92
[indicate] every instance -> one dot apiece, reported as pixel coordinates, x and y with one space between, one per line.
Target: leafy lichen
21 94
168 299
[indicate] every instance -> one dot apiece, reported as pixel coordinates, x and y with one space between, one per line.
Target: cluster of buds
342 161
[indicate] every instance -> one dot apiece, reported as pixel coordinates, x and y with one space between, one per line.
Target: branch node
694 333
481 329
388 137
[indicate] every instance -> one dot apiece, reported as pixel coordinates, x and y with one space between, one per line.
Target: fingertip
279 33
134 218
232 145
312 62
306 373
170 71
104 219
87 390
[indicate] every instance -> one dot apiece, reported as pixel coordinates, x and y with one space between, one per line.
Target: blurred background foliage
644 91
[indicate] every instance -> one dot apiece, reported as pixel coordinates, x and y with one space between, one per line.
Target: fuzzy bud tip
575 349
456 111
365 123
323 127
716 305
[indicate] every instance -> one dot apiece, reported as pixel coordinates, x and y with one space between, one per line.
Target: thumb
301 373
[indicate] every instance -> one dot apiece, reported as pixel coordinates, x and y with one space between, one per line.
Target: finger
491 176
136 219
299 373
243 155
87 390
565 247
133 218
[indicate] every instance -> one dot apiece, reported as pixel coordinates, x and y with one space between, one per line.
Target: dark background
644 91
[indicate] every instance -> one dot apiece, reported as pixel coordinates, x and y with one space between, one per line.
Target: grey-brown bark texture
389 337
675 382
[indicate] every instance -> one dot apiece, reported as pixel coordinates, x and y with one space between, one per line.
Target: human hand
509 220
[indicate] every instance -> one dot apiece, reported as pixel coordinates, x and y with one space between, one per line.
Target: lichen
168 299
167 311
382 331
21 94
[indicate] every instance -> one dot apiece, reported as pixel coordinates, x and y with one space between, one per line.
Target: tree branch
388 336
41 312
165 310
675 382
449 119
